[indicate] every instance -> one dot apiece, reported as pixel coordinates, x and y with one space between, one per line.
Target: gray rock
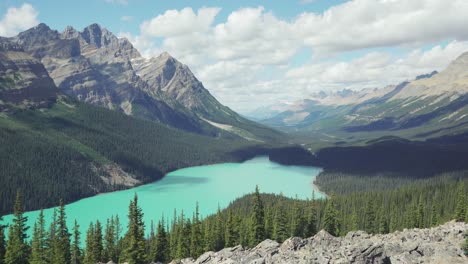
435 245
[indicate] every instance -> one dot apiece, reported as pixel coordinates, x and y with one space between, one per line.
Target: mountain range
83 113
431 105
97 67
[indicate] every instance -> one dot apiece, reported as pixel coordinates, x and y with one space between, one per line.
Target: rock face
441 244
95 66
24 81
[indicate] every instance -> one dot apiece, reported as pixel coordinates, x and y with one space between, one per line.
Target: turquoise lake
211 186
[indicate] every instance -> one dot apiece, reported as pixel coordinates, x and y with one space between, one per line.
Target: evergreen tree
109 253
161 247
370 223
434 215
2 242
196 239
183 244
257 227
134 251
420 214
461 203
280 230
62 240
39 242
89 257
312 221
330 218
17 249
354 226
208 236
51 238
219 231
98 247
75 247
229 230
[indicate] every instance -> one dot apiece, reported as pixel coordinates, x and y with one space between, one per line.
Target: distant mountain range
432 105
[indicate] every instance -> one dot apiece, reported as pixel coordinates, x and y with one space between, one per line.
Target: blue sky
276 51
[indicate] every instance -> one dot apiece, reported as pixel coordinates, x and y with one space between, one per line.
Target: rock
441 244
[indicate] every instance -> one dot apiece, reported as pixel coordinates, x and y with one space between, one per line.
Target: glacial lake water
211 186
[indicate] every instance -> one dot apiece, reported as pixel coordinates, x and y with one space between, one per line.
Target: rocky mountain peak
69 33
95 35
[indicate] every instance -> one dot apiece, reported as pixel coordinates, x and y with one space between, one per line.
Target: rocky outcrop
441 244
24 81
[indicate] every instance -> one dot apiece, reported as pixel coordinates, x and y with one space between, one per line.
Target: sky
251 54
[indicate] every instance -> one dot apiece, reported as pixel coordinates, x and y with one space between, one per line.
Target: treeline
247 221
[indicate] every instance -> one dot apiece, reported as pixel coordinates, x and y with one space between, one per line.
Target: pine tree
370 223
420 213
2 242
75 247
461 203
134 251
98 247
196 239
62 241
17 248
109 253
312 221
183 244
354 225
208 236
280 230
257 227
219 231
434 215
229 231
161 247
330 218
51 238
39 242
89 257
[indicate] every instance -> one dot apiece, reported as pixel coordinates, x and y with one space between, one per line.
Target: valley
114 150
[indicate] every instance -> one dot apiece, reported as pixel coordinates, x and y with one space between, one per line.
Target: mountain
23 80
97 67
56 147
432 105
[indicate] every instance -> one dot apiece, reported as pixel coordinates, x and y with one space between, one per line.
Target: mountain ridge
97 67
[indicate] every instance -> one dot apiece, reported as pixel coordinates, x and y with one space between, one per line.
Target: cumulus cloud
368 23
376 69
175 23
18 19
233 56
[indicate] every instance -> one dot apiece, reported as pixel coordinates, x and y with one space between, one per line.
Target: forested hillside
73 150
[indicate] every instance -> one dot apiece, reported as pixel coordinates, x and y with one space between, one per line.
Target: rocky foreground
440 244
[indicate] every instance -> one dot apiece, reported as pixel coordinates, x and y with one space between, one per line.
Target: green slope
67 150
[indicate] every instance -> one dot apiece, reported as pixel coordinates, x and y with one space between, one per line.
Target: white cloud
18 19
175 23
376 69
233 56
369 23
119 2
126 18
